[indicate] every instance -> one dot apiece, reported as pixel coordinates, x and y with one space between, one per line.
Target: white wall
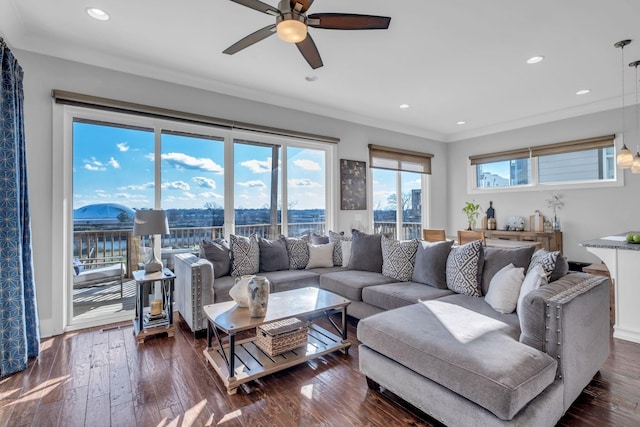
587 214
43 73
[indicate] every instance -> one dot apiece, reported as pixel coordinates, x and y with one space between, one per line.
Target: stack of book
155 320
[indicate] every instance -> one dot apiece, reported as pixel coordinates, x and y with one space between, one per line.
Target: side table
144 324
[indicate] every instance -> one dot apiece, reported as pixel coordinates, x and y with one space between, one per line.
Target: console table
550 241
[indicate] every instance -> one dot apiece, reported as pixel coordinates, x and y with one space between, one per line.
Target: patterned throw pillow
245 258
464 267
337 238
398 258
545 259
298 250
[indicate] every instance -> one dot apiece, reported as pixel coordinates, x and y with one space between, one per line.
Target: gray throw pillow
298 250
496 259
366 252
464 268
218 252
398 258
319 239
245 255
431 263
337 238
561 268
273 254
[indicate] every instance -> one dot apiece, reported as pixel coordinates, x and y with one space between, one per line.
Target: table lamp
151 222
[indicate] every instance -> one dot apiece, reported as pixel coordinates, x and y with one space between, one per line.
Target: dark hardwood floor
101 377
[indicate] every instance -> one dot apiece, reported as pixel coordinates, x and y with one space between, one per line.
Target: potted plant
471 210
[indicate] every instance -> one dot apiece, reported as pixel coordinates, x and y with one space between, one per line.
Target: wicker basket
279 337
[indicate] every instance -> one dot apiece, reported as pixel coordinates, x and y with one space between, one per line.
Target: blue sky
116 165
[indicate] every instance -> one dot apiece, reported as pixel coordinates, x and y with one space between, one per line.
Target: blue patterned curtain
19 330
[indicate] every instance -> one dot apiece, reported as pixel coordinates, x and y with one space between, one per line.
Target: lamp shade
625 158
150 222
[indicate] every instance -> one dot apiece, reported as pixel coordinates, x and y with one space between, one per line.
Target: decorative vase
259 288
240 290
556 223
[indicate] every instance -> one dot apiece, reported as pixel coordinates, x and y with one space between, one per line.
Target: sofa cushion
505 289
218 252
366 252
273 254
221 288
561 268
394 295
337 238
298 251
320 255
398 258
431 263
535 278
464 268
546 259
471 354
286 280
349 283
245 255
495 259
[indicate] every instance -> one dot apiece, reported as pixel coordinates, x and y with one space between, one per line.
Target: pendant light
635 167
625 157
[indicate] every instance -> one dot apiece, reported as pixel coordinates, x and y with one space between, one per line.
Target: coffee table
239 362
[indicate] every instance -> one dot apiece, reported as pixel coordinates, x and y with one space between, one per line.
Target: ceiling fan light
635 168
625 158
291 30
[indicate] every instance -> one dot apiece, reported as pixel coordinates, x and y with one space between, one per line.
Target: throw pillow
545 259
273 254
320 255
337 249
366 252
298 251
319 239
245 255
346 252
464 268
561 268
495 259
431 263
218 253
398 258
535 278
505 289
77 266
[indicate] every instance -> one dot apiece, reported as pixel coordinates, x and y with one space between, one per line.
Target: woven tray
279 337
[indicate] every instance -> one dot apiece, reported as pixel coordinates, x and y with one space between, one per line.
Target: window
582 163
398 181
211 182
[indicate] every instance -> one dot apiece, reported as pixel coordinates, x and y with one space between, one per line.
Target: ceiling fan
292 22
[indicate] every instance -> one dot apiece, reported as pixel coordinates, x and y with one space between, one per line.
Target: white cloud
204 182
309 165
211 195
176 185
188 196
129 196
184 161
253 184
114 163
123 146
146 186
94 165
258 166
303 182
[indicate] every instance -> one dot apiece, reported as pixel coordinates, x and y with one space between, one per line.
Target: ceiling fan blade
252 38
305 5
259 6
308 49
348 21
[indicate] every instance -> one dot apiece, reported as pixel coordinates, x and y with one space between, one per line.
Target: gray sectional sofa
447 351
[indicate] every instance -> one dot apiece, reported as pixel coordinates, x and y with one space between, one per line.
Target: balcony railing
410 230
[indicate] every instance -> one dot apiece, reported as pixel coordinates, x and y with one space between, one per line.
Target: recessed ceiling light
404 106
535 59
461 122
583 91
311 78
98 14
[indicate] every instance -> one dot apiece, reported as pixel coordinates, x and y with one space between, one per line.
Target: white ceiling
450 60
